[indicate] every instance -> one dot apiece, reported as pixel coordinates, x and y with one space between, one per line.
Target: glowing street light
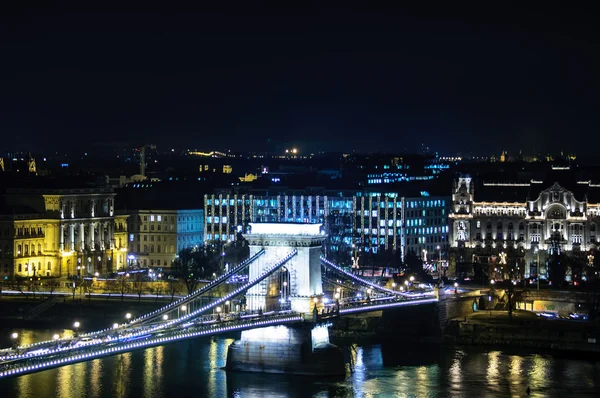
14 336
184 307
337 296
115 325
55 337
76 324
218 310
412 278
165 317
128 316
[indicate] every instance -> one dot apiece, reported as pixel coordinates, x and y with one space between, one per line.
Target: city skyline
330 79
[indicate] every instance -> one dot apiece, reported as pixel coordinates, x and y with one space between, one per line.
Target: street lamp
412 278
184 307
14 338
76 326
115 325
165 317
227 305
393 285
56 336
128 316
218 310
455 287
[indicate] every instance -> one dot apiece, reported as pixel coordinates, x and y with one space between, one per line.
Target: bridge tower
299 281
302 349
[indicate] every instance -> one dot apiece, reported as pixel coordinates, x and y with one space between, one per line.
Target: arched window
19 249
49 266
510 225
39 248
20 268
26 249
521 227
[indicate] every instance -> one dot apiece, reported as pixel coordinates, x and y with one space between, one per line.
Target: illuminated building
156 236
60 232
371 221
520 222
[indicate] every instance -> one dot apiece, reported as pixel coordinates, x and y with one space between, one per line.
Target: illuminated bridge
285 300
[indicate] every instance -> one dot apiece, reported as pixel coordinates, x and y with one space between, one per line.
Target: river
194 369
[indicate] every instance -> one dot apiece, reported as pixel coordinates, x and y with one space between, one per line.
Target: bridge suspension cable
264 274
364 282
184 300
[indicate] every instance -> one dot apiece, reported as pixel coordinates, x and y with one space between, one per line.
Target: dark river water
194 369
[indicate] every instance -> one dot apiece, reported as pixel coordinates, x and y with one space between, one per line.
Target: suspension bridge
284 292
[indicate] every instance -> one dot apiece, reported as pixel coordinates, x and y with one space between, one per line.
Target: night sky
470 79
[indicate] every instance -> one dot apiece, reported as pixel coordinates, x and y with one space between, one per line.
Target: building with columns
74 232
499 225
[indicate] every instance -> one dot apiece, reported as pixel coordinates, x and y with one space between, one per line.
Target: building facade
369 221
156 236
520 224
60 233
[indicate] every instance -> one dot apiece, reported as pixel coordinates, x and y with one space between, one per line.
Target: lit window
159 218
151 218
131 237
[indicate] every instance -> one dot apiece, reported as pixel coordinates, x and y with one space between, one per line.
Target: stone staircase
40 308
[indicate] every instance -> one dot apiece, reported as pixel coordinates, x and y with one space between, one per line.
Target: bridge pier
284 349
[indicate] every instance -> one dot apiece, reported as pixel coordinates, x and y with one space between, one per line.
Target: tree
52 284
237 251
577 261
111 286
193 264
173 287
592 286
556 268
123 284
88 287
414 264
139 285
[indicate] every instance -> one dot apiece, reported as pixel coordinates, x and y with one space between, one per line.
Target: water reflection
195 368
153 371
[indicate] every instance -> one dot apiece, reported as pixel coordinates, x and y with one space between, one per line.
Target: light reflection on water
194 368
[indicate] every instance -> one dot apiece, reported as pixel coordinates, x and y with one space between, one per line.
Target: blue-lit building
353 220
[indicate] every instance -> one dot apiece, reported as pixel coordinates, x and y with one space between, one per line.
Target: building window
159 218
49 266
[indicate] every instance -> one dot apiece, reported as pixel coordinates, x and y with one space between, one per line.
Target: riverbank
523 329
63 311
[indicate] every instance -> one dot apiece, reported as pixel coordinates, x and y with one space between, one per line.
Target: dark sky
466 79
